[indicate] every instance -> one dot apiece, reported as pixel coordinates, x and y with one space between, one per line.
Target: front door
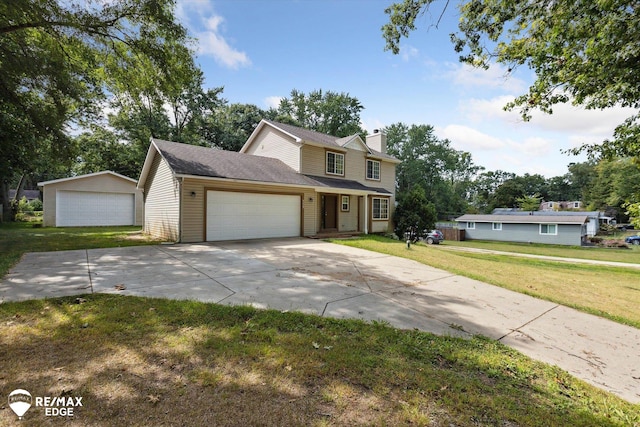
329 212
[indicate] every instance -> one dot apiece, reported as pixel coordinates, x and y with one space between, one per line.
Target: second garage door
233 215
82 208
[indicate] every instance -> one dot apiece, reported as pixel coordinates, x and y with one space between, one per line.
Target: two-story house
286 181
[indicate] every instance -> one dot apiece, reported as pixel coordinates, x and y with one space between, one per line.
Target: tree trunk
5 210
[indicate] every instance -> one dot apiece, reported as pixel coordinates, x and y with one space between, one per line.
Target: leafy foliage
333 113
582 51
58 59
413 214
445 174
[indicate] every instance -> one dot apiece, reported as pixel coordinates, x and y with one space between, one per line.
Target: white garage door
78 208
232 215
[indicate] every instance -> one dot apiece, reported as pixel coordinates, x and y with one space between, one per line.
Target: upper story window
373 169
496 226
471 225
335 163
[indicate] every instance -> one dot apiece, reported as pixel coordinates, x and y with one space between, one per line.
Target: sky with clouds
260 50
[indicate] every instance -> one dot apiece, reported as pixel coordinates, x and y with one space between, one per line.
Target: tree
529 203
336 114
445 174
230 126
57 62
581 51
413 214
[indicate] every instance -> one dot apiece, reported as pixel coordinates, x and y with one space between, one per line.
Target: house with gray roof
547 229
286 181
593 223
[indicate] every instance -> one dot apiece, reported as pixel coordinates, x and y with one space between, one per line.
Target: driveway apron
338 281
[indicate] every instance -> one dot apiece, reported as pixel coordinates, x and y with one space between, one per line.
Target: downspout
180 207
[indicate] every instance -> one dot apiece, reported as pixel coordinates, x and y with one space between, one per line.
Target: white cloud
199 16
273 101
408 52
496 77
212 43
469 139
533 147
566 118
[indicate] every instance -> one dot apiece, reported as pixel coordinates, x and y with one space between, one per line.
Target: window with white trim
549 229
344 205
373 169
496 226
471 225
380 208
335 163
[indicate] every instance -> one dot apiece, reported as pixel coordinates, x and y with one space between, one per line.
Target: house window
496 226
335 163
549 229
344 205
471 226
576 205
380 208
373 169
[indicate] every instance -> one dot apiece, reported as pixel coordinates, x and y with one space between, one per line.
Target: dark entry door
329 212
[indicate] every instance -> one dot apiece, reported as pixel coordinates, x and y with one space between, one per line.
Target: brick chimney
377 141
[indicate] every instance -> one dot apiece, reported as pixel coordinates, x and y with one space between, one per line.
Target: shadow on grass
139 361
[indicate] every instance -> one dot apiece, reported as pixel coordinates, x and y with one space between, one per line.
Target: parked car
625 227
434 237
634 240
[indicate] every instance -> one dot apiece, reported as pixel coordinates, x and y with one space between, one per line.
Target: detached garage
97 199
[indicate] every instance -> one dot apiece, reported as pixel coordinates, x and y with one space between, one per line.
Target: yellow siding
275 144
313 160
193 207
348 221
355 168
100 183
162 206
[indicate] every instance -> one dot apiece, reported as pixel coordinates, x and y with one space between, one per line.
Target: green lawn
138 361
631 255
20 237
610 292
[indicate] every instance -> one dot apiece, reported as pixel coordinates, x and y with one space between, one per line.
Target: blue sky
260 50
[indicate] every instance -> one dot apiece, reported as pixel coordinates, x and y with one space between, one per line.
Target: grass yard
610 292
631 255
20 237
142 362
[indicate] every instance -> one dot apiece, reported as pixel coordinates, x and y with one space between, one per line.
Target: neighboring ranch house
97 199
549 229
285 181
593 222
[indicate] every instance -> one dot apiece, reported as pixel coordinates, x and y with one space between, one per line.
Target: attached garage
236 215
98 199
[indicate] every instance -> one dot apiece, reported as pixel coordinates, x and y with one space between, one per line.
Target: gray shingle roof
185 159
525 219
345 184
321 138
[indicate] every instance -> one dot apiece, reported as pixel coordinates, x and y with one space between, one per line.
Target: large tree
586 52
445 174
333 113
56 62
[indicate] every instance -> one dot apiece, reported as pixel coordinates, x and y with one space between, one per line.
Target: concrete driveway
338 281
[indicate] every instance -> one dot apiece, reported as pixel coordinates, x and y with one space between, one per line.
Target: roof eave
71 178
258 129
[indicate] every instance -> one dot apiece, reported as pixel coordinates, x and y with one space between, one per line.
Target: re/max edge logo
20 401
